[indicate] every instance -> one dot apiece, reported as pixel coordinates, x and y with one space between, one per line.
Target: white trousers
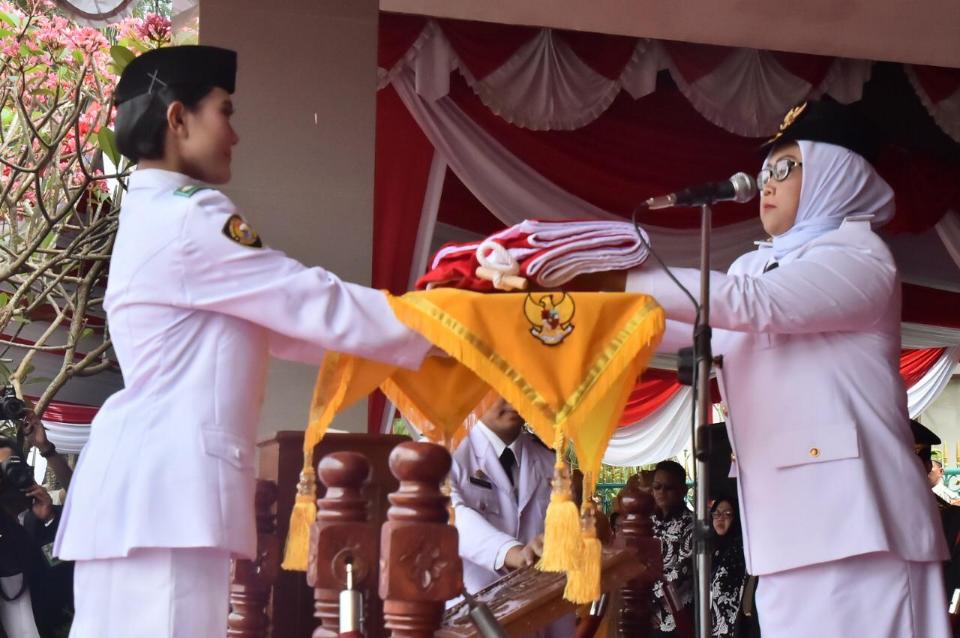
878 595
17 615
153 593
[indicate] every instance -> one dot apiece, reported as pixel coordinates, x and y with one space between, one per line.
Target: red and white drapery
68 425
656 423
539 123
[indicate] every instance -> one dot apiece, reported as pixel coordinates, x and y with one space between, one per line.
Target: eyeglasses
780 171
719 515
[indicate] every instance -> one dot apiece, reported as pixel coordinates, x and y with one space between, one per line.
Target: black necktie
508 461
771 266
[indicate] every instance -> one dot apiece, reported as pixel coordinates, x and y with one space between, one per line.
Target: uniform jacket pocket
228 447
817 444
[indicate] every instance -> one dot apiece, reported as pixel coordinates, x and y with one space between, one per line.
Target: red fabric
916 363
483 47
812 68
395 35
694 61
460 208
66 412
938 82
924 188
402 167
605 54
654 389
930 306
622 158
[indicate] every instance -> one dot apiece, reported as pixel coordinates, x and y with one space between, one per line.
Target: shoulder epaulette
190 190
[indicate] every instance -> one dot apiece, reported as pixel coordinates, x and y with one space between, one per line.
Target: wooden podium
291 604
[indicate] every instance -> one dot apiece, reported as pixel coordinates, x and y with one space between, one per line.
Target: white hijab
836 183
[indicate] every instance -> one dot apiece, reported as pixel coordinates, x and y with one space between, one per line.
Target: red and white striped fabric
656 421
550 253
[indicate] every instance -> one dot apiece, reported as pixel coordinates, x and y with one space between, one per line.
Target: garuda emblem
550 314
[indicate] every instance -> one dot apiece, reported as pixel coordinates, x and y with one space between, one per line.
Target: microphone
739 188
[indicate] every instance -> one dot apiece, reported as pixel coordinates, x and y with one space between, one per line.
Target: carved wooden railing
251 580
636 531
341 535
420 561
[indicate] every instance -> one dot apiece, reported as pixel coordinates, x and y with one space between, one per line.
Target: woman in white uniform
809 330
163 494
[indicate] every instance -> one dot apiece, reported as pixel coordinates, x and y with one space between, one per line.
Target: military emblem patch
550 314
241 232
190 190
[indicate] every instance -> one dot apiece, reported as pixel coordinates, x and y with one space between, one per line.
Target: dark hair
141 124
674 469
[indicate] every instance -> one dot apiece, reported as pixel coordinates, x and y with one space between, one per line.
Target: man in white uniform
809 330
500 488
163 493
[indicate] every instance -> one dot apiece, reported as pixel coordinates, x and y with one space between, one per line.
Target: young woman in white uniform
163 494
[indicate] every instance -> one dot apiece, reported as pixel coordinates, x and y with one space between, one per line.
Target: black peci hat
181 65
828 122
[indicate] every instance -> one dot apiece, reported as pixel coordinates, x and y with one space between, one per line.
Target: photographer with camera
30 430
35 590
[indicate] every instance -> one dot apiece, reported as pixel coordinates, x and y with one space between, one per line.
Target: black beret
183 65
828 122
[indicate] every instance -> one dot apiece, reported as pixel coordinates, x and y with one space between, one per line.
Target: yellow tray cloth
565 361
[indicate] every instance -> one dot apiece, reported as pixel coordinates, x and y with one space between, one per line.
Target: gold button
814 451
733 457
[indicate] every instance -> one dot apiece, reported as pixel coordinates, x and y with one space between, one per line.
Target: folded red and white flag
549 253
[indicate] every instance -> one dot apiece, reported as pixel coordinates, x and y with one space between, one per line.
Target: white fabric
948 229
96 13
836 183
746 94
946 112
870 595
153 593
826 325
194 317
514 192
931 385
661 435
546 85
69 438
944 492
918 335
16 615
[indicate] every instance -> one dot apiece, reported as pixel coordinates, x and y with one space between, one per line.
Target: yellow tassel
301 518
583 582
561 537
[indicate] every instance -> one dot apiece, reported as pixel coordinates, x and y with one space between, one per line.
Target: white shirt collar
159 178
497 443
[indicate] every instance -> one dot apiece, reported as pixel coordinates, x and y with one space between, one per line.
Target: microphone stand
704 362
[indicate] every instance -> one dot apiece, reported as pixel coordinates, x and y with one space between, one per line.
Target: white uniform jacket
818 418
487 515
194 316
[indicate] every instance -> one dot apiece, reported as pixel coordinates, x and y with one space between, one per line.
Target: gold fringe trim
297 550
583 582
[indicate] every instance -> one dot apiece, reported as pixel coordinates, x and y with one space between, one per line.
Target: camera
11 408
15 473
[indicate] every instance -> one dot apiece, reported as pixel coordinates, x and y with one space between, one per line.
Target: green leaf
4 17
108 144
4 298
49 239
86 332
121 56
